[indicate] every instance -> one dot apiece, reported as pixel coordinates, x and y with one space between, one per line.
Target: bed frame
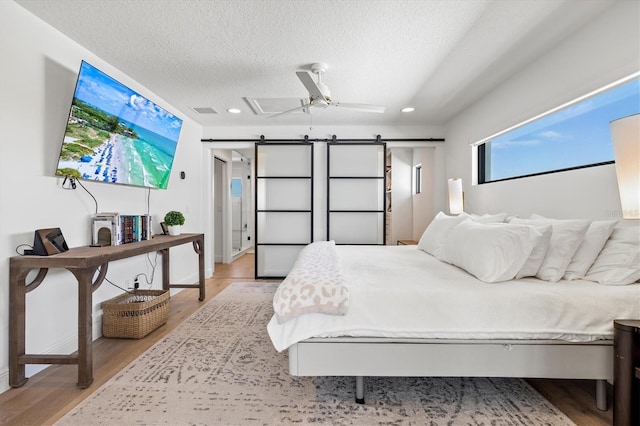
361 357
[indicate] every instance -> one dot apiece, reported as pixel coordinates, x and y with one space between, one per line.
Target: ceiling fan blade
311 86
302 107
360 107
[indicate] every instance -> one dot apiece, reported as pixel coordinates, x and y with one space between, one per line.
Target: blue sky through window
236 187
574 136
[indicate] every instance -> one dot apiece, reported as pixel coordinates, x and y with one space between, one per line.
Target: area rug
219 368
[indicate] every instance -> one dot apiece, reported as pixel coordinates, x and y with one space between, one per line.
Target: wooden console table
83 263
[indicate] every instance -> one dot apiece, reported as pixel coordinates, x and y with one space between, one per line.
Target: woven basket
134 315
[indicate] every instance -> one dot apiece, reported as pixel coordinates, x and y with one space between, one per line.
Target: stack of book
115 228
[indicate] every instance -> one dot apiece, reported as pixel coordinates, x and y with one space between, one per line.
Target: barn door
284 205
356 192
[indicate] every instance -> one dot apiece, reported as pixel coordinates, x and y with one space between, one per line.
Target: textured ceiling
437 56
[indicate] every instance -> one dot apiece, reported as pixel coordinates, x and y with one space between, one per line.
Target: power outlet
136 283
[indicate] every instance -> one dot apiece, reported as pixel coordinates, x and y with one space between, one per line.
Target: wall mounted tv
116 135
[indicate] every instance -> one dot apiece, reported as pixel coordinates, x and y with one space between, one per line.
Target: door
356 193
241 203
219 175
284 205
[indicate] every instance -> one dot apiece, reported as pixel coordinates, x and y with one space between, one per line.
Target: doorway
241 203
219 173
411 210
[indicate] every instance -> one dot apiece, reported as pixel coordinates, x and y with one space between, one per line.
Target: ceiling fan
320 96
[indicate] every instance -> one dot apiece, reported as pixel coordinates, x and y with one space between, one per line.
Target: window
572 136
417 176
236 188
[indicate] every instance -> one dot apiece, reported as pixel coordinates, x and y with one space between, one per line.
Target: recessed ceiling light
234 111
408 109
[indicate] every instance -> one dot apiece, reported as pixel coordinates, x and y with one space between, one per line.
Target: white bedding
403 292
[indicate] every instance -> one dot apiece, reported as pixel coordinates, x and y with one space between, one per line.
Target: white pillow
533 263
489 218
619 261
566 236
491 252
436 233
594 240
539 216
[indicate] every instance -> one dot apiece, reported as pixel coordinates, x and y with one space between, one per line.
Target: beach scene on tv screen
116 135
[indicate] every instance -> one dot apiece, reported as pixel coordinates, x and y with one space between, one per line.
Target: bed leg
359 390
601 395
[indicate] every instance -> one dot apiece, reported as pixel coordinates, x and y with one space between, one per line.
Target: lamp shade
456 203
625 134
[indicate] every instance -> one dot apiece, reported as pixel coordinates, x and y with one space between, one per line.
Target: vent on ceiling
262 106
205 110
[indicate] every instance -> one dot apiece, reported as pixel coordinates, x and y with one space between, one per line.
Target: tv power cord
71 185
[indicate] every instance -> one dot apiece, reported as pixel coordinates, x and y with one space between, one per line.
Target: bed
452 324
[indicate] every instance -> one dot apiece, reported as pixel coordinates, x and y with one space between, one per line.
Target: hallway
242 267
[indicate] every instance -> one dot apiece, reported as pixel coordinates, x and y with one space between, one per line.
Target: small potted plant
173 220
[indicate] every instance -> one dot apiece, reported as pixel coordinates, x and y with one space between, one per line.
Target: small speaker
49 241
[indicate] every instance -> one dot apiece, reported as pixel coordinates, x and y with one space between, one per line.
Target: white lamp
456 202
625 134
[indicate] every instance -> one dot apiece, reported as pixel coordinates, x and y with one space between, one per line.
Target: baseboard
4 380
189 279
70 344
65 346
242 252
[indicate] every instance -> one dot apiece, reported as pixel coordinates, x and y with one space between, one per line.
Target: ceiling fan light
319 103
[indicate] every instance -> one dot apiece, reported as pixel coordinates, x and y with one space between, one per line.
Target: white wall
425 206
401 191
602 52
38 69
412 212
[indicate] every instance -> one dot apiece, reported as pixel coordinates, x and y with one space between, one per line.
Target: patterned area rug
219 367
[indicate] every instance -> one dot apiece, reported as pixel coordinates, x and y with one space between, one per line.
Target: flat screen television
116 135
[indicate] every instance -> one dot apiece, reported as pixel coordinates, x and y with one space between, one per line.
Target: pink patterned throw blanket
314 285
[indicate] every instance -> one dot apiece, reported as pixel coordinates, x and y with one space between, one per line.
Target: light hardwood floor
50 394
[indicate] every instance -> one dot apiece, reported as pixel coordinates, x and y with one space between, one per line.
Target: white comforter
403 292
